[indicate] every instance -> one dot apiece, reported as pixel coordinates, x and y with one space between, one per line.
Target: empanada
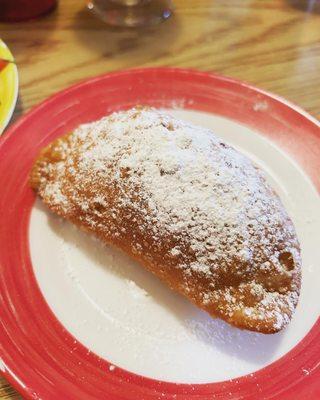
190 208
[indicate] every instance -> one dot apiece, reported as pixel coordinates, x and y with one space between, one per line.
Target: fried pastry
190 208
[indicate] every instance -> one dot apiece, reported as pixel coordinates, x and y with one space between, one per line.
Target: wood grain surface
273 44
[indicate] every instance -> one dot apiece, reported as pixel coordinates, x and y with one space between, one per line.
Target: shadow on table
310 6
147 43
18 111
39 37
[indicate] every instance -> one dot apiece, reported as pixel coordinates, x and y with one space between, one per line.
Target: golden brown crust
210 228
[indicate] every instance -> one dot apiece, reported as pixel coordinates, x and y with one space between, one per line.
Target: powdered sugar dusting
206 208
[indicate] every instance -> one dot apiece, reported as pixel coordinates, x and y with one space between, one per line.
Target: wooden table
274 44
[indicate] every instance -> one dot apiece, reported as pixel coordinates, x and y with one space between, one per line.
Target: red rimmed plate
80 321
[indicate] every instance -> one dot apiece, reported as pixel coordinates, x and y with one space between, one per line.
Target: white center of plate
127 316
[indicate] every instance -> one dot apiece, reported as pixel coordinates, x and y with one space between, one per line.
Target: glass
20 10
131 13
